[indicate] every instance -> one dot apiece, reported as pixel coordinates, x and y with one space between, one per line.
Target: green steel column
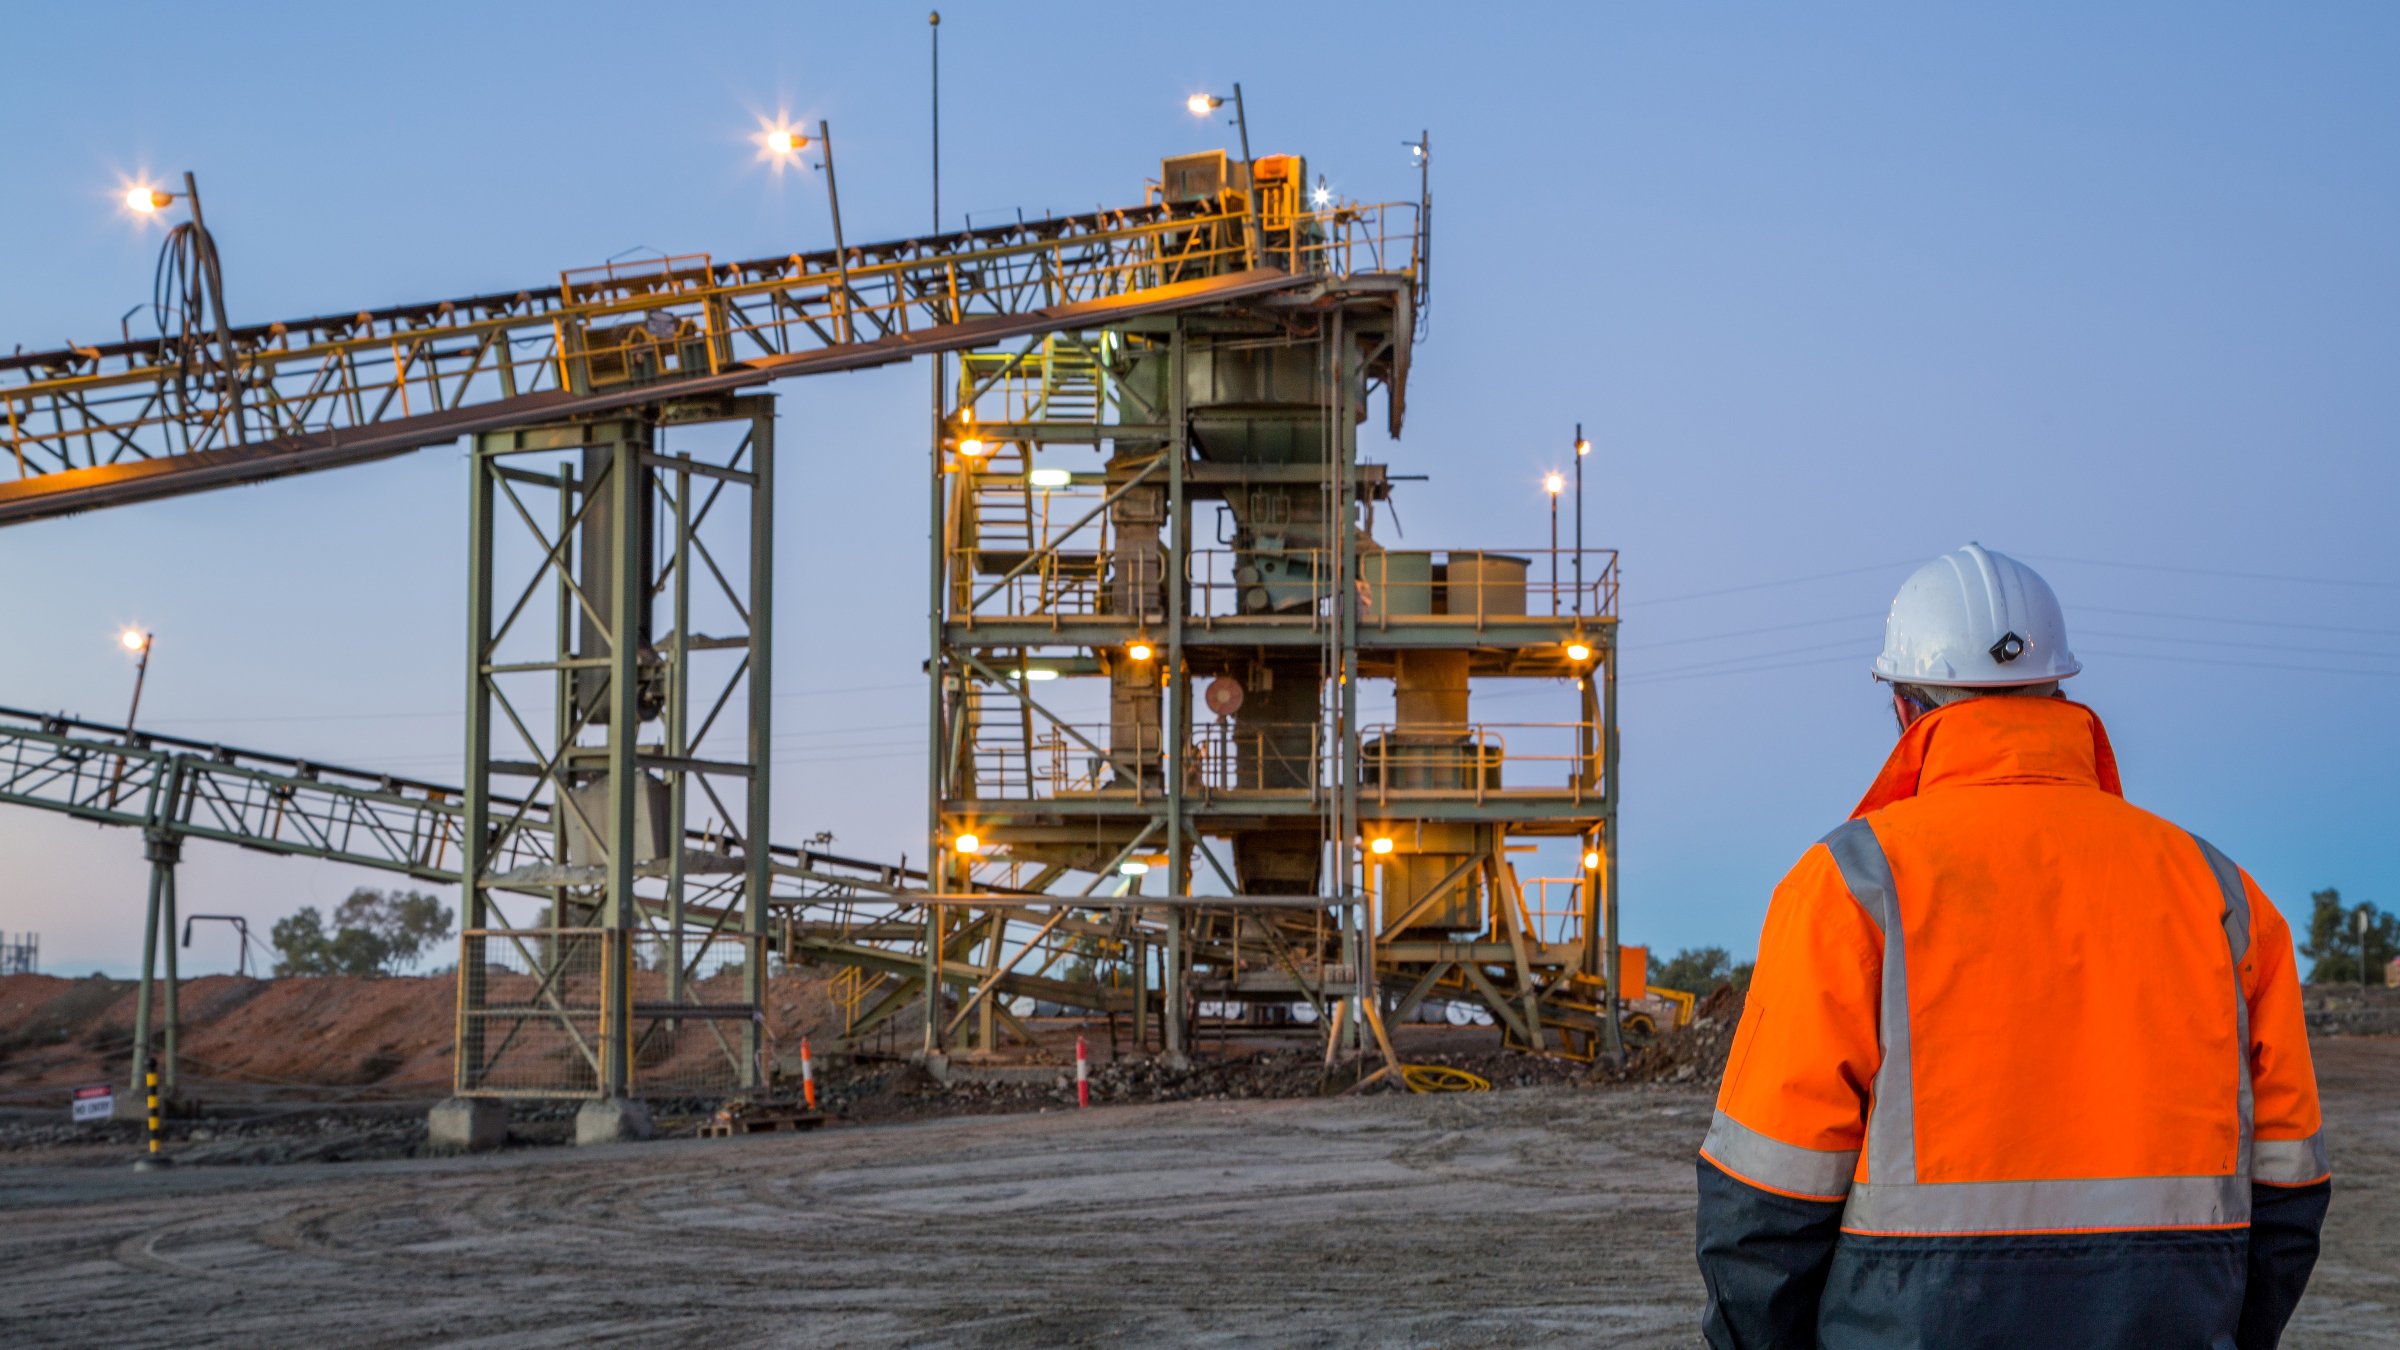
1345 431
762 704
629 592
1612 1036
678 712
172 993
937 581
571 488
1179 704
475 802
141 1006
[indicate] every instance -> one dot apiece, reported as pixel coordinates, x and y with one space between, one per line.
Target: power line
2219 572
1769 667
1787 581
2250 646
1748 632
1852 642
2246 623
2251 665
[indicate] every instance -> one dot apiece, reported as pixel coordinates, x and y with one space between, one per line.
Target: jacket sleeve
1791 1115
2291 1179
1763 1256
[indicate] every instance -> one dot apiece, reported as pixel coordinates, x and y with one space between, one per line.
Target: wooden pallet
762 1122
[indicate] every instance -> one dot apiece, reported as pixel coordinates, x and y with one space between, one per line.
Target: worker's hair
1932 696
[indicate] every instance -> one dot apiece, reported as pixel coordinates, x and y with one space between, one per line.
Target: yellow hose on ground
1441 1078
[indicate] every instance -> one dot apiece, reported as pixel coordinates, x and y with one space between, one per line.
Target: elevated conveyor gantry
91 426
565 390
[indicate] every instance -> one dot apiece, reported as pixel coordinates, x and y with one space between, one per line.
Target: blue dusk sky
1833 288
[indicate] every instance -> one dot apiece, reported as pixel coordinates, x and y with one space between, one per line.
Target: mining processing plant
1196 732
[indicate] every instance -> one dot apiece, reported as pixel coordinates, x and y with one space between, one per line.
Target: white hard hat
1975 619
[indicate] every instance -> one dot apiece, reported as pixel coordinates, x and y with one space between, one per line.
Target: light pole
1583 447
1554 483
937 124
138 641
207 284
784 143
1202 105
241 929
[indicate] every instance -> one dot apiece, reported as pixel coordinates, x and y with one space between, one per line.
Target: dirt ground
247 1040
1549 1215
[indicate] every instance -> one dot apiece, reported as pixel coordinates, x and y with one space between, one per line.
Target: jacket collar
1984 741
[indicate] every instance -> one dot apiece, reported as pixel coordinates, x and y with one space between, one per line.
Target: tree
374 933
2332 946
1699 970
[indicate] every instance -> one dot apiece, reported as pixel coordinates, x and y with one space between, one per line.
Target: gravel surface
1550 1215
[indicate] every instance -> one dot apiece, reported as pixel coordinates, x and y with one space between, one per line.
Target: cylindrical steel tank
1486 584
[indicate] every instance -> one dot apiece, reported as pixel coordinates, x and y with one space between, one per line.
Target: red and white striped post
808 1076
1083 1074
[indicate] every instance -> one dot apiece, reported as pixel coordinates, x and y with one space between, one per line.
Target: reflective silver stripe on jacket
2237 941
1892 1126
1895 1201
2290 1162
1822 1173
2048 1206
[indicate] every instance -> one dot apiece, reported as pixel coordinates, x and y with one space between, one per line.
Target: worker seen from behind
2022 1064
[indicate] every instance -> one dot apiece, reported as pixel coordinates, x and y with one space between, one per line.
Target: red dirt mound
391 1034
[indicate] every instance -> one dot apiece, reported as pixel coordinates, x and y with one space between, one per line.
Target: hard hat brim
2074 668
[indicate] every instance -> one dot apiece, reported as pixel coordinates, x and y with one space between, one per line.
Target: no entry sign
95 1103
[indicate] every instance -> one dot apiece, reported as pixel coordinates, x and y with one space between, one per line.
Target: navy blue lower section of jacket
1782 1274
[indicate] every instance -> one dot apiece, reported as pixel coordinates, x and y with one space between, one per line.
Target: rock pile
1694 1054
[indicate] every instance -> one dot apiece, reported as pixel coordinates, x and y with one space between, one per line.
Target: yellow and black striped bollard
152 1158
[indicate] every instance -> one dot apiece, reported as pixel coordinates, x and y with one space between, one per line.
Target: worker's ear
1905 711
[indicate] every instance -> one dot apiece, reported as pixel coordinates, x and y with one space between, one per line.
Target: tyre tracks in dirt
1551 1216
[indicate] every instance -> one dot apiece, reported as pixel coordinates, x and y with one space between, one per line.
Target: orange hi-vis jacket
2001 1001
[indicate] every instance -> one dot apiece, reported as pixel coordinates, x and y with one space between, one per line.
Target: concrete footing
611 1120
466 1124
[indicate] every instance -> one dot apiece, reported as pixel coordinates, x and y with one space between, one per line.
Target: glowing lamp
1380 844
967 843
